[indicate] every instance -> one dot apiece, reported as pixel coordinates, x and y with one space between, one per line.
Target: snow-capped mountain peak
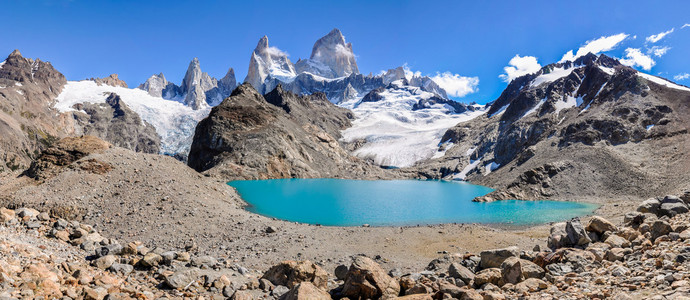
268 61
331 57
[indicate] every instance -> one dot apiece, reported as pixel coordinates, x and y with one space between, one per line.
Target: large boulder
649 206
291 273
576 233
367 280
558 238
494 258
672 205
459 271
182 278
600 225
531 270
616 241
660 228
306 291
511 270
490 275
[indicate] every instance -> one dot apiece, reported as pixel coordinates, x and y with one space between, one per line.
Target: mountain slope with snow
590 127
173 121
399 126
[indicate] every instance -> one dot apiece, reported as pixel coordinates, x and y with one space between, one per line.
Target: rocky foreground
646 257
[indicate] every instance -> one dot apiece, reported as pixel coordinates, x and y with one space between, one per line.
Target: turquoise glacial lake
340 202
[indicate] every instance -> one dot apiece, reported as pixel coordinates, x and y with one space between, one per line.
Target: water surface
340 202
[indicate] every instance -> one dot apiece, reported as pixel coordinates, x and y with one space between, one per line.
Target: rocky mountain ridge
27 124
198 89
574 130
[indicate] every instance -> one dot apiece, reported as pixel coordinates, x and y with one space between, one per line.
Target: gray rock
26 212
113 249
559 269
105 262
151 260
204 261
341 272
511 270
279 291
459 271
168 257
182 278
616 241
558 237
673 208
33 225
633 218
649 206
620 271
494 258
333 55
576 233
122 269
660 228
60 224
531 270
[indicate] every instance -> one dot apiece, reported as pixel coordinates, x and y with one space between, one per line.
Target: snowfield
663 82
396 135
174 122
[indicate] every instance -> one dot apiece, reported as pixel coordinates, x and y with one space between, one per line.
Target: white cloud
686 25
682 76
635 57
602 44
273 51
657 37
409 73
658 51
456 85
518 66
342 51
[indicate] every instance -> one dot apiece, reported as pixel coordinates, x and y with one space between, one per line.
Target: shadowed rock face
115 122
279 135
613 130
27 124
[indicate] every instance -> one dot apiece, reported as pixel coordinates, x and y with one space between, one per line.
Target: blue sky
472 40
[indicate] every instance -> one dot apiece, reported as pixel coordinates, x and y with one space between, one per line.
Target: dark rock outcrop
279 135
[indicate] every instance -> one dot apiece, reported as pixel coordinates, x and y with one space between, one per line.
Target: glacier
175 122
